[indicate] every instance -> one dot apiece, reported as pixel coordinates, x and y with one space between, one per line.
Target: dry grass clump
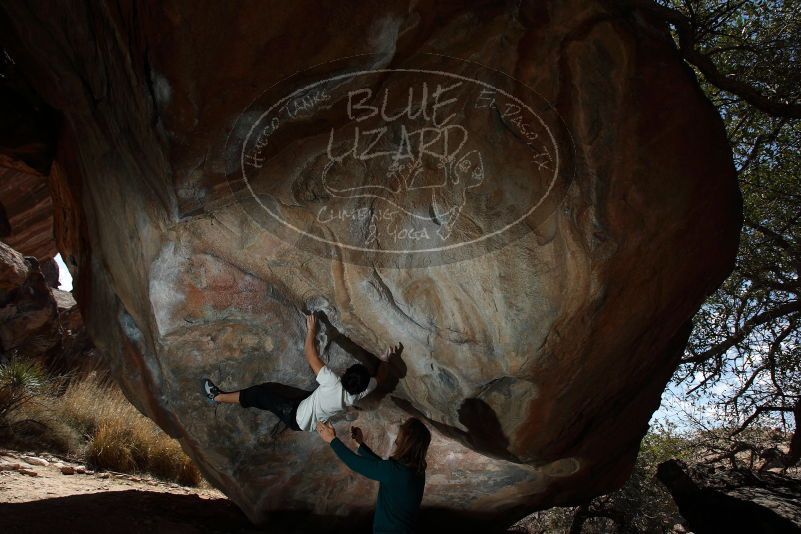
121 438
167 460
93 420
139 446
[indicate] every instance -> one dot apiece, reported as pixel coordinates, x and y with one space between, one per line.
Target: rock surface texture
38 321
734 500
29 312
537 360
28 132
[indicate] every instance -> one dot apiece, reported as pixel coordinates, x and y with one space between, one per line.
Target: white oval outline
419 71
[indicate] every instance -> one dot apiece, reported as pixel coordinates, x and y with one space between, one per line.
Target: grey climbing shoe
210 390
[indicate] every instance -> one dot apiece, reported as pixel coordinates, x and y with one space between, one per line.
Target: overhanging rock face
532 198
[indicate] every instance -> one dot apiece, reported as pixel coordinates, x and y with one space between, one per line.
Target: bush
20 382
115 447
90 419
168 461
120 438
135 444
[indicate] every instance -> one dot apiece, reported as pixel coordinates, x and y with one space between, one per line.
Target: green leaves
22 375
20 381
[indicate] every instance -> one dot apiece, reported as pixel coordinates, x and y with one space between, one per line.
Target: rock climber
302 412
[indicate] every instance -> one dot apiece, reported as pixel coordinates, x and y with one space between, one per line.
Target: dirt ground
107 502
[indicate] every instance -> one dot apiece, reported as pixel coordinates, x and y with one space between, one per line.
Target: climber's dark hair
411 445
356 379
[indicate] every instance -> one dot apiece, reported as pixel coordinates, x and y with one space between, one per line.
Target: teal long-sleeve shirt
400 489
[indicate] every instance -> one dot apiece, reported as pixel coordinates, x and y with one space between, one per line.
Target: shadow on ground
135 512
124 512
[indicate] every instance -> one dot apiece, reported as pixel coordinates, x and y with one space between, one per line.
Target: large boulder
539 255
28 132
28 210
38 321
733 500
29 324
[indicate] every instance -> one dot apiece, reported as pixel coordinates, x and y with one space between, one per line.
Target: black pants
281 400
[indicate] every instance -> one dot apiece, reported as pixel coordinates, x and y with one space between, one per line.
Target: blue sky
64 276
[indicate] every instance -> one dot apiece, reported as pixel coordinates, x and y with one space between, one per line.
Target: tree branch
760 410
777 238
685 29
757 320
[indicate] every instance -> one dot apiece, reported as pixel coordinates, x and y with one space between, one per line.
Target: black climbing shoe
210 390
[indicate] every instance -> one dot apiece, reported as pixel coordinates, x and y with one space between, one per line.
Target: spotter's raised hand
326 431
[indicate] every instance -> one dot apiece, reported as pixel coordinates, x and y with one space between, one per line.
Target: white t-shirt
327 400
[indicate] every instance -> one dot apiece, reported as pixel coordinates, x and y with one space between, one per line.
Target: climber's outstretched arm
310 347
